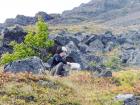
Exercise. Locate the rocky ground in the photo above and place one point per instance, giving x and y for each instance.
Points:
(88, 49)
(104, 36)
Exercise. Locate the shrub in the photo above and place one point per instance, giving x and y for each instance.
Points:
(31, 44)
(113, 62)
(126, 78)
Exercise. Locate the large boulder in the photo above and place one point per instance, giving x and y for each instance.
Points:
(13, 34)
(90, 39)
(20, 20)
(33, 64)
(83, 58)
(16, 34)
(88, 60)
(96, 46)
(64, 39)
(43, 15)
(131, 57)
(104, 42)
(4, 50)
(128, 99)
(83, 47)
(73, 52)
(132, 37)
(82, 36)
(1, 27)
(26, 20)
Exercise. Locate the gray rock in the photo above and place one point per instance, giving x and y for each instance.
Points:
(20, 20)
(26, 20)
(90, 39)
(43, 15)
(138, 99)
(13, 34)
(108, 11)
(109, 46)
(34, 65)
(131, 57)
(88, 59)
(81, 36)
(107, 37)
(73, 52)
(132, 37)
(104, 42)
(96, 46)
(103, 73)
(4, 50)
(63, 40)
(128, 99)
(83, 47)
(16, 34)
(49, 84)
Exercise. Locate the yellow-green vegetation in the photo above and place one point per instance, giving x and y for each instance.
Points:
(31, 45)
(113, 60)
(28, 89)
(80, 88)
(87, 27)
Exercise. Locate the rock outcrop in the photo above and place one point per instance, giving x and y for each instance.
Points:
(109, 12)
(44, 16)
(34, 65)
(11, 34)
(128, 99)
(27, 20)
(84, 48)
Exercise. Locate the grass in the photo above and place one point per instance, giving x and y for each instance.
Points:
(88, 27)
(26, 89)
(101, 91)
(80, 88)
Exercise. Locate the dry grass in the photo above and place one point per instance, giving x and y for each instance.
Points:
(80, 87)
(88, 27)
(101, 91)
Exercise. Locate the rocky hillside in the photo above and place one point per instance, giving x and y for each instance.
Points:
(89, 50)
(108, 11)
(27, 20)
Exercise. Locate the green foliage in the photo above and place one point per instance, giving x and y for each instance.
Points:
(113, 63)
(6, 58)
(30, 46)
(40, 39)
(20, 51)
(126, 78)
(93, 63)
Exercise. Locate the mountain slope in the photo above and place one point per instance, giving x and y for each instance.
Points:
(108, 12)
(104, 10)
